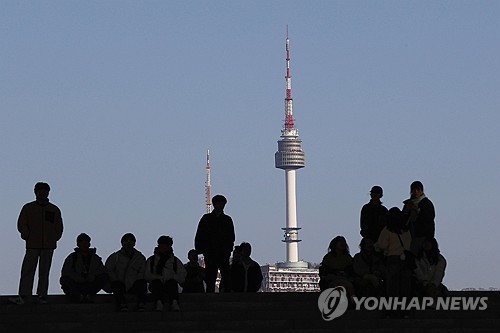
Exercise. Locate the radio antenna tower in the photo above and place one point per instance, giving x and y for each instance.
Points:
(207, 184)
(290, 157)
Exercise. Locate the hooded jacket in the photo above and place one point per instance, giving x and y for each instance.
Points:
(74, 266)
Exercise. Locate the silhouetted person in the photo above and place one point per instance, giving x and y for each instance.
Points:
(83, 274)
(430, 270)
(246, 275)
(125, 269)
(369, 270)
(195, 274)
(215, 239)
(393, 241)
(373, 215)
(41, 226)
(164, 272)
(336, 267)
(419, 214)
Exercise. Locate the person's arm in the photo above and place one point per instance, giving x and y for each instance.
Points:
(22, 224)
(68, 269)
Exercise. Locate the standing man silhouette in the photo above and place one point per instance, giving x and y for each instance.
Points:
(40, 225)
(215, 240)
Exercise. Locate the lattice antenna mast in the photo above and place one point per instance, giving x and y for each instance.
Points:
(289, 125)
(207, 184)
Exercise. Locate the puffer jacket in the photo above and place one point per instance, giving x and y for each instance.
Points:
(172, 269)
(121, 267)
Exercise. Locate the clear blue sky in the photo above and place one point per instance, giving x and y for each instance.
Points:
(114, 104)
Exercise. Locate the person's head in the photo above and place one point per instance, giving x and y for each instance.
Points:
(366, 245)
(165, 244)
(219, 202)
(376, 192)
(339, 246)
(416, 189)
(245, 250)
(193, 256)
(395, 220)
(431, 248)
(83, 242)
(41, 191)
(128, 241)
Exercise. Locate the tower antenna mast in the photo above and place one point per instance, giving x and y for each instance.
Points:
(207, 184)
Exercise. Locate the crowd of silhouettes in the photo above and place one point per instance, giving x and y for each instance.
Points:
(127, 271)
(399, 255)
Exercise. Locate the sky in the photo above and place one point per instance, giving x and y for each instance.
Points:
(115, 103)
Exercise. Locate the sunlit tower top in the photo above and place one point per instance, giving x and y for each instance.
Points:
(207, 184)
(290, 157)
(289, 154)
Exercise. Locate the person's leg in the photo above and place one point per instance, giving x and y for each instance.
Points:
(72, 289)
(211, 273)
(140, 290)
(44, 271)
(28, 269)
(172, 290)
(225, 272)
(156, 289)
(118, 290)
(93, 287)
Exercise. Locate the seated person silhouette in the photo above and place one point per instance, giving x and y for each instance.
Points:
(195, 274)
(246, 275)
(164, 272)
(125, 269)
(336, 267)
(83, 274)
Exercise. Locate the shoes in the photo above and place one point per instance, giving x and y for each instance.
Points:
(42, 300)
(141, 307)
(123, 307)
(175, 306)
(16, 300)
(159, 306)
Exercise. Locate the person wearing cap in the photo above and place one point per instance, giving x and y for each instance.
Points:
(373, 215)
(40, 225)
(164, 272)
(215, 240)
(83, 274)
(419, 215)
(125, 269)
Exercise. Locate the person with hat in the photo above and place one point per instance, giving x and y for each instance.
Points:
(373, 215)
(164, 272)
(40, 225)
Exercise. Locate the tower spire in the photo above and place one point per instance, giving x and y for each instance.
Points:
(207, 184)
(289, 127)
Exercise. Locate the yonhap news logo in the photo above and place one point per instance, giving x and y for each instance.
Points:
(333, 303)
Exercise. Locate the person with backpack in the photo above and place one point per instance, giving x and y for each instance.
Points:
(83, 274)
(164, 272)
